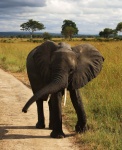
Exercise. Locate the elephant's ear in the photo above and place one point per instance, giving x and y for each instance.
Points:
(89, 65)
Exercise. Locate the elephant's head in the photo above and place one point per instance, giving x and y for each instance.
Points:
(67, 67)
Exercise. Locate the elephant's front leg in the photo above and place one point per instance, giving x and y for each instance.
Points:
(57, 116)
(41, 120)
(78, 105)
(50, 113)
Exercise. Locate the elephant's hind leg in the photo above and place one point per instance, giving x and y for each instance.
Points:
(78, 105)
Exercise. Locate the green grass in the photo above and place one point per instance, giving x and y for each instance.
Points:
(102, 97)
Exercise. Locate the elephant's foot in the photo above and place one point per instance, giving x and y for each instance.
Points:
(55, 134)
(80, 128)
(40, 125)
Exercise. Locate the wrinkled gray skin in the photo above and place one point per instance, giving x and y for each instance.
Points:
(52, 68)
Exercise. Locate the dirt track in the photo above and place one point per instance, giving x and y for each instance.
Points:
(17, 130)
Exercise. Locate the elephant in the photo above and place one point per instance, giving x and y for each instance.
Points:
(53, 67)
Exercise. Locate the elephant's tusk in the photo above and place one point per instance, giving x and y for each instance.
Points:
(48, 97)
(65, 96)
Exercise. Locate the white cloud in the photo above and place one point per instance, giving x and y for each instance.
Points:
(90, 16)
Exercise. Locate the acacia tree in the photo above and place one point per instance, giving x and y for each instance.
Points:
(69, 28)
(32, 26)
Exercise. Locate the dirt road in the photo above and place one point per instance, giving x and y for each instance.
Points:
(17, 130)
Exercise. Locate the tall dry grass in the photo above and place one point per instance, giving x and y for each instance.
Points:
(13, 55)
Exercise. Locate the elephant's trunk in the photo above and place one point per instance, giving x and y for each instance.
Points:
(56, 85)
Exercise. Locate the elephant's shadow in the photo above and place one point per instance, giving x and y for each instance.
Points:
(4, 130)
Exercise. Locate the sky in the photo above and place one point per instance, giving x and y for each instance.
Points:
(90, 16)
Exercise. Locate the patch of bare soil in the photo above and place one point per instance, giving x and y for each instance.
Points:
(17, 130)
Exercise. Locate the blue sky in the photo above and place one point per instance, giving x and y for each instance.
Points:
(90, 16)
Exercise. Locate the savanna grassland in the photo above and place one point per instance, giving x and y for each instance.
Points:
(102, 97)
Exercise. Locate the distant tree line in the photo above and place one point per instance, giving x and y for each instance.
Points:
(68, 30)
